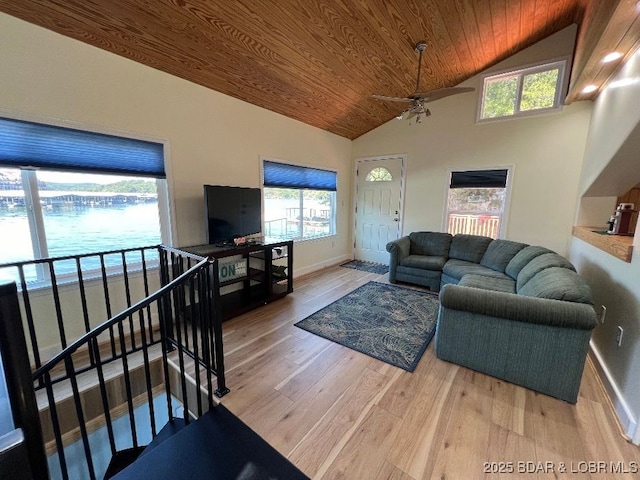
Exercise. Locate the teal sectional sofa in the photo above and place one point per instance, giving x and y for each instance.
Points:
(514, 311)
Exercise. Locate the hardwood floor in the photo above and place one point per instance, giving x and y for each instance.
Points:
(338, 414)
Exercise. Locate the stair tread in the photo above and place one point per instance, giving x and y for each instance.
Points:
(170, 429)
(89, 379)
(216, 446)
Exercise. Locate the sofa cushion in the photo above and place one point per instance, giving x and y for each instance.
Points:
(523, 257)
(538, 264)
(499, 253)
(419, 276)
(496, 284)
(558, 283)
(470, 248)
(425, 262)
(459, 268)
(430, 243)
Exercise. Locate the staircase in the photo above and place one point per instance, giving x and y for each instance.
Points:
(62, 405)
(132, 371)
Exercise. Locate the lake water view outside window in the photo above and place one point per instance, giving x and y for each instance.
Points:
(298, 202)
(81, 213)
(531, 90)
(69, 191)
(476, 202)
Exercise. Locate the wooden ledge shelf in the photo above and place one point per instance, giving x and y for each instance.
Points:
(620, 246)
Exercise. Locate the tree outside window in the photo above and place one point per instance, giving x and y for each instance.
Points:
(524, 91)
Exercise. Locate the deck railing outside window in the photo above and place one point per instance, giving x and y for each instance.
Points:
(474, 224)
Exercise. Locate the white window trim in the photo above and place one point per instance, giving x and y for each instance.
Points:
(502, 232)
(562, 63)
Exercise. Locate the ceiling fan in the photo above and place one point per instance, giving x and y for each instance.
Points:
(418, 99)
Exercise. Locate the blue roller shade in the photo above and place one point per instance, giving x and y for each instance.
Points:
(479, 179)
(28, 144)
(282, 175)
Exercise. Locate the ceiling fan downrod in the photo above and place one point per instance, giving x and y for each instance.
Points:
(420, 47)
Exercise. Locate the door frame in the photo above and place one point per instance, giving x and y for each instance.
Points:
(354, 199)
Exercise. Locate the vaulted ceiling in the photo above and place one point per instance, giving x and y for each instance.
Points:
(319, 61)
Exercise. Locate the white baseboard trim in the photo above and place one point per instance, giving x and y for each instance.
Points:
(624, 413)
(319, 266)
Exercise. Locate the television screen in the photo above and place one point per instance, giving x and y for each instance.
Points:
(232, 212)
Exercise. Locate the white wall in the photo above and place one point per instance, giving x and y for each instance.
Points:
(212, 138)
(545, 150)
(611, 167)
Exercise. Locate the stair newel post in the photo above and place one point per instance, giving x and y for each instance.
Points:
(204, 292)
(216, 323)
(166, 323)
(17, 370)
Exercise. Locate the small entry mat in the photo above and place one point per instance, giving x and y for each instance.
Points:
(370, 267)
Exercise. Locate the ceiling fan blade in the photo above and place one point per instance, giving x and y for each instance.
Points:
(434, 95)
(393, 99)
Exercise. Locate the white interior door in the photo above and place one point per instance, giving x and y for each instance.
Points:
(378, 206)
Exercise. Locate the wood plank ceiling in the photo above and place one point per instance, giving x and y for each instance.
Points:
(319, 61)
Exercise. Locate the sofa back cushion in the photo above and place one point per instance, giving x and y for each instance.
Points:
(499, 253)
(470, 248)
(434, 244)
(522, 258)
(558, 283)
(540, 263)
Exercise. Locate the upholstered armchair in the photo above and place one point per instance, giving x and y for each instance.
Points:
(419, 258)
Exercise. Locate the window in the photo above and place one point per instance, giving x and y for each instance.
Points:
(299, 202)
(476, 202)
(81, 192)
(379, 174)
(522, 92)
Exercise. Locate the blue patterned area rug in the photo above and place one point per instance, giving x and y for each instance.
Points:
(390, 323)
(370, 267)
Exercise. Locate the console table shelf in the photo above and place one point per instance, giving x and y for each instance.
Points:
(250, 275)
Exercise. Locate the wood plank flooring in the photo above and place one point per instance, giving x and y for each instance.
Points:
(339, 414)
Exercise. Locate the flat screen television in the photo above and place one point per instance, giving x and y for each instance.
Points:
(232, 212)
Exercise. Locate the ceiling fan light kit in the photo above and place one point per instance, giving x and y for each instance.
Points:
(418, 109)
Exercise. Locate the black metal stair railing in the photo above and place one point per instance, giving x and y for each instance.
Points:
(100, 283)
(190, 341)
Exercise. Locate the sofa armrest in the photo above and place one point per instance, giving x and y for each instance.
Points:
(398, 249)
(519, 307)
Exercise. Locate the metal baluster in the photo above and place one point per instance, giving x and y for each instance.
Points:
(194, 310)
(68, 362)
(178, 307)
(56, 301)
(103, 394)
(147, 370)
(205, 336)
(127, 385)
(216, 325)
(55, 423)
(30, 323)
(145, 281)
(127, 293)
(85, 308)
(107, 301)
(164, 312)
